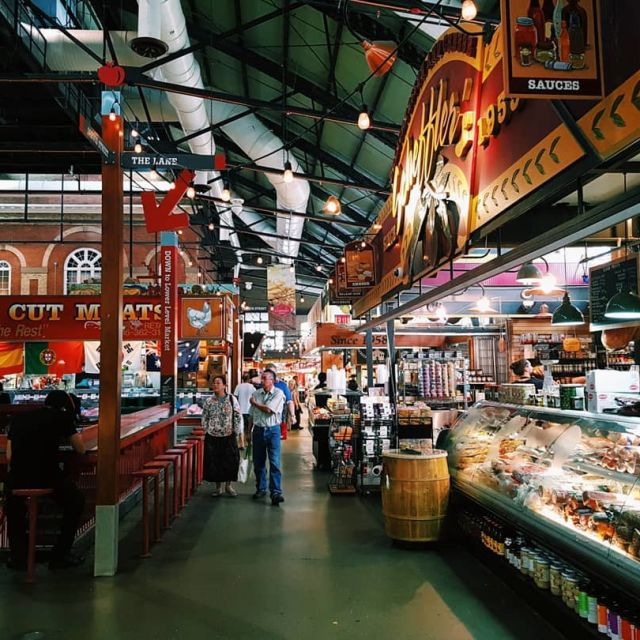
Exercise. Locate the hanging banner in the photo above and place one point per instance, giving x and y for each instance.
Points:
(169, 316)
(553, 49)
(360, 265)
(281, 293)
(11, 358)
(53, 358)
(27, 318)
(131, 356)
(201, 318)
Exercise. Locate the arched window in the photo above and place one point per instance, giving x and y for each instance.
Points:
(5, 278)
(80, 266)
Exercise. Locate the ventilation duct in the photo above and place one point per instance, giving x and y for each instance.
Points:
(250, 134)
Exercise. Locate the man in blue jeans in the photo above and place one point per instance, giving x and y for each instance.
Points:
(267, 405)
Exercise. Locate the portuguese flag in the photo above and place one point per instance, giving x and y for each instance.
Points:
(53, 358)
(11, 357)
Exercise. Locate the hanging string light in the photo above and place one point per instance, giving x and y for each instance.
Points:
(287, 176)
(469, 10)
(332, 206)
(226, 194)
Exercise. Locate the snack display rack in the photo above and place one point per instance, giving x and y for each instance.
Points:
(569, 479)
(377, 434)
(343, 477)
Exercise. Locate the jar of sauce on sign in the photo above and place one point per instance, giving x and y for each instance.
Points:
(526, 38)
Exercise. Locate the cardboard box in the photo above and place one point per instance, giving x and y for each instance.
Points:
(597, 402)
(606, 381)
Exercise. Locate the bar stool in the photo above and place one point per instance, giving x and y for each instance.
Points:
(175, 459)
(184, 455)
(32, 496)
(164, 466)
(199, 466)
(144, 475)
(190, 447)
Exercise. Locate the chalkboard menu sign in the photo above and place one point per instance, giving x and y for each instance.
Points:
(604, 282)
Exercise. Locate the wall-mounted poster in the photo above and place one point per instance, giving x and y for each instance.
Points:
(201, 318)
(360, 265)
(553, 48)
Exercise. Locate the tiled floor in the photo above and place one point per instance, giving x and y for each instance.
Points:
(316, 567)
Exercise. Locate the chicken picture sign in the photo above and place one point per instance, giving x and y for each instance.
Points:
(201, 318)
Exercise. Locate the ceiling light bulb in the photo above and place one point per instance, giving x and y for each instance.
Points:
(190, 263)
(318, 268)
(332, 206)
(343, 259)
(179, 232)
(363, 244)
(287, 176)
(469, 10)
(364, 121)
(210, 226)
(330, 280)
(301, 298)
(137, 148)
(225, 195)
(112, 115)
(259, 260)
(134, 133)
(292, 269)
(191, 192)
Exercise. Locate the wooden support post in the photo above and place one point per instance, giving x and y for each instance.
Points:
(106, 540)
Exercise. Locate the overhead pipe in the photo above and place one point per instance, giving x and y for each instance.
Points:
(248, 132)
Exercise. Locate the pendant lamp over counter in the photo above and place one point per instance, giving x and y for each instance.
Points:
(623, 306)
(529, 274)
(567, 314)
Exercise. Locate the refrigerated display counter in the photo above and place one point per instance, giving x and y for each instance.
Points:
(566, 478)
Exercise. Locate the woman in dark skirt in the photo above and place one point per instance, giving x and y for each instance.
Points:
(222, 421)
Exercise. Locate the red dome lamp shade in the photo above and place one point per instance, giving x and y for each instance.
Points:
(380, 56)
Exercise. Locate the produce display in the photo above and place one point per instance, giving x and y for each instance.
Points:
(579, 471)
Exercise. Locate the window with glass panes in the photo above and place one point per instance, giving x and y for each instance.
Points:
(258, 322)
(82, 265)
(5, 278)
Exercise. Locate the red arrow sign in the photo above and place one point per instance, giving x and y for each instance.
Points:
(159, 217)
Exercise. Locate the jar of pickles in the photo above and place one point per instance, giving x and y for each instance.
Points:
(569, 589)
(555, 578)
(541, 575)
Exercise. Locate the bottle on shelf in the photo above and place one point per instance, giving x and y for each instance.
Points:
(563, 43)
(535, 13)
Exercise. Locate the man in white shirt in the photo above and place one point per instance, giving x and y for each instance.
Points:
(243, 392)
(267, 405)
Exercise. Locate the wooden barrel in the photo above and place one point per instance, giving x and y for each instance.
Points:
(415, 494)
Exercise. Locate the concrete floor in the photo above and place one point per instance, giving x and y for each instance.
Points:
(317, 567)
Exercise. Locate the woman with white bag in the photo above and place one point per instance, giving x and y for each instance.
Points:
(223, 424)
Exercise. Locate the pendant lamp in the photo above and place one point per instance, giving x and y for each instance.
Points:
(529, 274)
(623, 306)
(567, 314)
(380, 56)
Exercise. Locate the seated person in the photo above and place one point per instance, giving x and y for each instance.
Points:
(5, 398)
(33, 457)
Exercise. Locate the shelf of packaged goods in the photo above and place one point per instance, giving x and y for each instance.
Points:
(616, 476)
(591, 554)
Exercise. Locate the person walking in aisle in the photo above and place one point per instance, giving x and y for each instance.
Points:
(289, 413)
(297, 405)
(222, 421)
(267, 405)
(243, 392)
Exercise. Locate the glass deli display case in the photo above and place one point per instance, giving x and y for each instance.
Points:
(568, 478)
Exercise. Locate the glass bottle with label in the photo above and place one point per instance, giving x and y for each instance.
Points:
(564, 44)
(576, 42)
(573, 8)
(535, 13)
